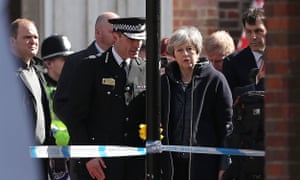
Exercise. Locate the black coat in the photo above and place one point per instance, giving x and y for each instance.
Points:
(29, 100)
(237, 69)
(211, 109)
(67, 76)
(105, 109)
(29, 103)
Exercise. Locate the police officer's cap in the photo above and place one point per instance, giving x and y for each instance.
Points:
(54, 46)
(132, 27)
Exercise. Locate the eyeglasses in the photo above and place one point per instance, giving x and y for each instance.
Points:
(189, 49)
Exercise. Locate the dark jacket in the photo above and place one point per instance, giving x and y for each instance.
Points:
(67, 76)
(238, 68)
(211, 110)
(29, 100)
(102, 106)
(29, 103)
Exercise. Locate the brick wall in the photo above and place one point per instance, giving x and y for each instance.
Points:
(210, 15)
(202, 14)
(282, 103)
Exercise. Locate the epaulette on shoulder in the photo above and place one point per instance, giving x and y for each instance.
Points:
(138, 60)
(93, 57)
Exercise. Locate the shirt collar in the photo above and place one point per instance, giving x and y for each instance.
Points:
(118, 58)
(21, 64)
(257, 55)
(100, 50)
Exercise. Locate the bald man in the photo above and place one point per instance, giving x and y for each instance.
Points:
(103, 40)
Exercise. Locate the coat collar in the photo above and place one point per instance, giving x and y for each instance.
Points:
(173, 70)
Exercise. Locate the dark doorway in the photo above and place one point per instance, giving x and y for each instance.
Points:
(14, 9)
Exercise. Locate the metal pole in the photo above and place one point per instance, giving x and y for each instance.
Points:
(153, 102)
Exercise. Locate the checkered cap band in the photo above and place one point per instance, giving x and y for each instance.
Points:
(129, 28)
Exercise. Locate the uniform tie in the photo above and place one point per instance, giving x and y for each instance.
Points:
(124, 67)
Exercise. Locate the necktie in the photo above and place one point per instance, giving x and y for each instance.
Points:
(124, 67)
(259, 61)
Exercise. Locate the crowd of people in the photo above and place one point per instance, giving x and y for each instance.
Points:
(97, 96)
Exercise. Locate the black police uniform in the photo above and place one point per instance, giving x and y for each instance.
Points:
(106, 109)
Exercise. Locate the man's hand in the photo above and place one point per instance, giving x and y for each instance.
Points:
(220, 174)
(261, 72)
(95, 168)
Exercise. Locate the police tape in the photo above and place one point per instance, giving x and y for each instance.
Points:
(76, 151)
(215, 151)
(157, 147)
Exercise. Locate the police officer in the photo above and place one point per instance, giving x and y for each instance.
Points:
(108, 91)
(54, 50)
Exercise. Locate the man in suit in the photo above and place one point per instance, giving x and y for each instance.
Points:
(103, 41)
(244, 70)
(107, 103)
(24, 40)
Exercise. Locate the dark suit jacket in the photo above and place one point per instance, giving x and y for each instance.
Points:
(105, 109)
(29, 100)
(237, 68)
(67, 76)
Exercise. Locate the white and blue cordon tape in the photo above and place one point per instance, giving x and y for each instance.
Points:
(78, 151)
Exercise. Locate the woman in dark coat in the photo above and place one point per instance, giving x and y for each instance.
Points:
(196, 106)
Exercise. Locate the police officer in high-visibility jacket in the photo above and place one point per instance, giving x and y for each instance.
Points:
(54, 50)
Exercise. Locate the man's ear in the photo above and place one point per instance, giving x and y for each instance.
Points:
(115, 36)
(47, 63)
(98, 32)
(12, 42)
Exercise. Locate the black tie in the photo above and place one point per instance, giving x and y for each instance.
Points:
(124, 67)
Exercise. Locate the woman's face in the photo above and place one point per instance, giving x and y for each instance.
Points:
(186, 56)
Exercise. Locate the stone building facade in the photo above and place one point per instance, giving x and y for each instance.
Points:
(76, 18)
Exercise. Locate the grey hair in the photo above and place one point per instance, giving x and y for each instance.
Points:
(185, 34)
(219, 42)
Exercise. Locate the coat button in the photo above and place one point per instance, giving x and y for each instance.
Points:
(127, 88)
(125, 134)
(108, 92)
(127, 119)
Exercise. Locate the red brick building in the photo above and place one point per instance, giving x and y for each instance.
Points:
(282, 101)
(211, 15)
(283, 90)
